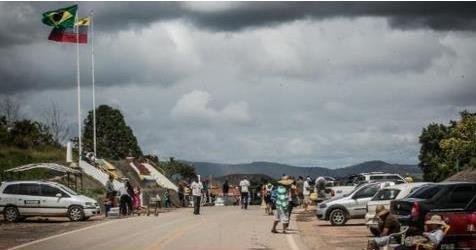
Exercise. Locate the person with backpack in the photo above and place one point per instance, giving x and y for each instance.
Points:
(267, 198)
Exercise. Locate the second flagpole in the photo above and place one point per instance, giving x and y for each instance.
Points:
(93, 82)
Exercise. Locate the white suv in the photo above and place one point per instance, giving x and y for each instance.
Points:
(350, 206)
(21, 199)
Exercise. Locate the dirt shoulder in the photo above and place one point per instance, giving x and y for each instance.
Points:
(13, 234)
(321, 235)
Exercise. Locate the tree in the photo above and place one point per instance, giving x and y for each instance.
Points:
(447, 149)
(173, 167)
(56, 122)
(115, 140)
(460, 146)
(430, 152)
(27, 134)
(10, 109)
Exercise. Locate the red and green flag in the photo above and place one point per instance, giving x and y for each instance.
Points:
(61, 18)
(69, 35)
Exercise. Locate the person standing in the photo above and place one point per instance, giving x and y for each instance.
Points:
(244, 189)
(226, 188)
(300, 186)
(281, 200)
(306, 192)
(196, 187)
(293, 196)
(181, 194)
(136, 200)
(111, 191)
(125, 199)
(267, 198)
(320, 186)
(130, 192)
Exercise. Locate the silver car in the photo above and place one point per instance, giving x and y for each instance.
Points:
(21, 199)
(351, 206)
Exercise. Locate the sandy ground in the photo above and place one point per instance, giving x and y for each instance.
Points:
(322, 235)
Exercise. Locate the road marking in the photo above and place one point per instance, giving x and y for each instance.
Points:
(292, 242)
(290, 237)
(65, 233)
(164, 240)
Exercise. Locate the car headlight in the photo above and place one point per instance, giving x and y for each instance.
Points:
(322, 205)
(88, 204)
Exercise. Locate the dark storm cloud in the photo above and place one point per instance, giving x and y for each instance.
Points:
(114, 16)
(403, 15)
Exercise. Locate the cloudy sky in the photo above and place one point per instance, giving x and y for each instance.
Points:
(327, 84)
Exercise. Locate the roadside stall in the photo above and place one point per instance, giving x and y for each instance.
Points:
(70, 176)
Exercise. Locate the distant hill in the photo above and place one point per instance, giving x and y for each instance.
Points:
(275, 170)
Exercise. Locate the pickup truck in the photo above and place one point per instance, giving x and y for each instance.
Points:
(443, 196)
(462, 232)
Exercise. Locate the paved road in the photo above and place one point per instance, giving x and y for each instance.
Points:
(216, 228)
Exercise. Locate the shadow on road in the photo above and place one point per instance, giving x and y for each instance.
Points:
(346, 225)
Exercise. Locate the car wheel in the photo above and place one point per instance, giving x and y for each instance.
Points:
(76, 213)
(11, 214)
(337, 217)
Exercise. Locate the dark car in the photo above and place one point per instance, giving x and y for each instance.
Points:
(462, 232)
(412, 210)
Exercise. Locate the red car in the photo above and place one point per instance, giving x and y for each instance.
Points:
(462, 232)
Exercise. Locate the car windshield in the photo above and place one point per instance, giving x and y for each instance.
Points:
(386, 194)
(67, 189)
(425, 192)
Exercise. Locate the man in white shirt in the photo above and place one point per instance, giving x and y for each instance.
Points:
(196, 187)
(306, 192)
(244, 189)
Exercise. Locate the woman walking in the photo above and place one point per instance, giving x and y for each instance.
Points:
(282, 204)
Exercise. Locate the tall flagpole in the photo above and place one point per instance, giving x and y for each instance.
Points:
(80, 149)
(94, 91)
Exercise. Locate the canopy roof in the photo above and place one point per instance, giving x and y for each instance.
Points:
(51, 166)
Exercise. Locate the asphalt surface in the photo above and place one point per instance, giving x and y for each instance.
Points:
(215, 228)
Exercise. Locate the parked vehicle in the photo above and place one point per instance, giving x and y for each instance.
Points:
(22, 199)
(225, 201)
(354, 181)
(380, 176)
(353, 205)
(462, 232)
(384, 197)
(340, 191)
(412, 210)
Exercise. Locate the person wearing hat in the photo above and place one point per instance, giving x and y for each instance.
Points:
(435, 230)
(388, 224)
(282, 203)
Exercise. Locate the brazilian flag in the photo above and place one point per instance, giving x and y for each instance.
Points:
(61, 18)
